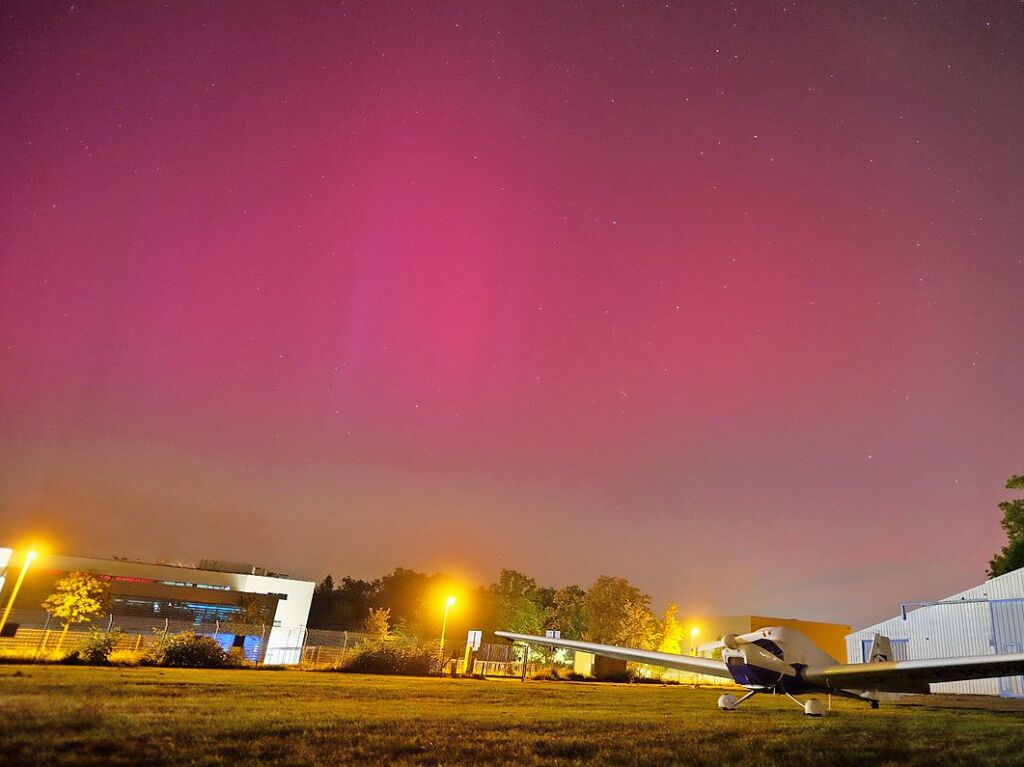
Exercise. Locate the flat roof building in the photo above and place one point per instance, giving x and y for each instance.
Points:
(145, 596)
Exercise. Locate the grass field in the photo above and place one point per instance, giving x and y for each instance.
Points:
(52, 715)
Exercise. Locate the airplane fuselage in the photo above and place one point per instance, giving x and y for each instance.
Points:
(772, 660)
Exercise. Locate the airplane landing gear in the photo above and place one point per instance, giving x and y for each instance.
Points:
(731, 702)
(813, 706)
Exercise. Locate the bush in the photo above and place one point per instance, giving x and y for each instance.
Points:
(97, 648)
(553, 673)
(392, 658)
(29, 655)
(187, 650)
(126, 657)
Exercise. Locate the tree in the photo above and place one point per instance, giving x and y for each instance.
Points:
(378, 624)
(638, 627)
(1012, 555)
(566, 612)
(672, 631)
(516, 603)
(404, 592)
(604, 607)
(341, 606)
(77, 598)
(252, 611)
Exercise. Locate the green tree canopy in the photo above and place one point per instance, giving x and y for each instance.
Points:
(342, 606)
(672, 631)
(516, 603)
(77, 598)
(566, 612)
(605, 607)
(253, 614)
(378, 623)
(1012, 555)
(638, 627)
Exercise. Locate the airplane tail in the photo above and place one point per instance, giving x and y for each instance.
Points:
(881, 649)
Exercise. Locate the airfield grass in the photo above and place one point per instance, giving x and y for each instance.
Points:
(145, 716)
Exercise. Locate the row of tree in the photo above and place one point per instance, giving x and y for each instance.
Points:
(406, 602)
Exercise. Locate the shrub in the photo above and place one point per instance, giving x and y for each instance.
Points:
(29, 655)
(126, 657)
(553, 673)
(392, 658)
(97, 648)
(187, 650)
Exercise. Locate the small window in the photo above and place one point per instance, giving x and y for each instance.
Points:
(736, 660)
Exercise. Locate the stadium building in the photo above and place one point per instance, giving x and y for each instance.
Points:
(983, 620)
(213, 597)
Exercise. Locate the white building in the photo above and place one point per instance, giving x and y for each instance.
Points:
(146, 596)
(983, 620)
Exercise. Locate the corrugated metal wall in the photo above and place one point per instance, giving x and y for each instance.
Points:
(956, 630)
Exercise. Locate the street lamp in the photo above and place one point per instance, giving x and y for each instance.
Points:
(17, 585)
(693, 649)
(444, 626)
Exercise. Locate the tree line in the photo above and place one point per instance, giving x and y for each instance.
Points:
(408, 603)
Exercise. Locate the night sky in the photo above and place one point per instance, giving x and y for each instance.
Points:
(722, 298)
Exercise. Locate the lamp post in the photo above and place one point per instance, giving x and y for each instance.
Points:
(17, 585)
(444, 626)
(693, 648)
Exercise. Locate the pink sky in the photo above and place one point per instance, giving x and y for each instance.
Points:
(723, 300)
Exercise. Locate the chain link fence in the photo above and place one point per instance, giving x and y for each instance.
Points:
(33, 634)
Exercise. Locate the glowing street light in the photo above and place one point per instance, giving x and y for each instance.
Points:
(693, 649)
(444, 626)
(17, 585)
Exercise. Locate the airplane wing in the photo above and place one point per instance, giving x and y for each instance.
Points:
(914, 675)
(689, 663)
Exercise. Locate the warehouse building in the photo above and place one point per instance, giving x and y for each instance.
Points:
(983, 620)
(209, 596)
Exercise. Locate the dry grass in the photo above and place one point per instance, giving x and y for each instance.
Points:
(131, 716)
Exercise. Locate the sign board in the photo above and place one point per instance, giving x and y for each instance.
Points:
(473, 639)
(553, 634)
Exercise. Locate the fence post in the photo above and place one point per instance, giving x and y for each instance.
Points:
(262, 652)
(42, 640)
(110, 623)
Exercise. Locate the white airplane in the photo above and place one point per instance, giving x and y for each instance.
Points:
(784, 661)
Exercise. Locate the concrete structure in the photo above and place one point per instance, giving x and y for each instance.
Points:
(983, 620)
(144, 596)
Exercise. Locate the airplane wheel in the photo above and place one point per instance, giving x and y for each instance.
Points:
(814, 707)
(727, 702)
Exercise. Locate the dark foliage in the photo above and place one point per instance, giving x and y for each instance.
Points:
(188, 650)
(96, 650)
(392, 658)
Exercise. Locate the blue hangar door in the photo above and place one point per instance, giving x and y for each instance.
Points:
(1008, 636)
